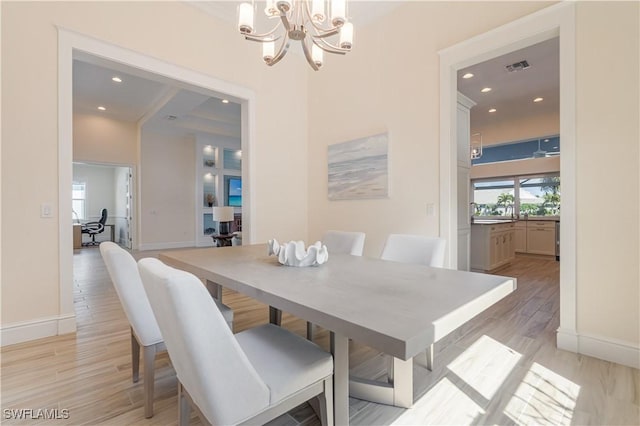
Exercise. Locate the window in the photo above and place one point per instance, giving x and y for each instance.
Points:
(494, 198)
(78, 200)
(540, 196)
(532, 148)
(517, 196)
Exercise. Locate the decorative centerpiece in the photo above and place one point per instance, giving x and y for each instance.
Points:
(294, 253)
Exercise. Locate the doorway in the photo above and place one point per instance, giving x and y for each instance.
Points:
(104, 186)
(554, 21)
(70, 45)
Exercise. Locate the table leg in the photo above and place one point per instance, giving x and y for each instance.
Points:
(340, 351)
(275, 316)
(215, 290)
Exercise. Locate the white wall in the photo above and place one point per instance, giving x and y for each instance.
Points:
(103, 140)
(608, 142)
(167, 191)
(530, 127)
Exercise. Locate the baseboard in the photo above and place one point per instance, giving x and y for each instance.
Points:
(567, 340)
(608, 349)
(166, 246)
(37, 329)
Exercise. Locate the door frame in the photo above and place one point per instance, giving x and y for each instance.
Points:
(70, 41)
(553, 21)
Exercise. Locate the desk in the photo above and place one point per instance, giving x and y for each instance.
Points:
(77, 236)
(396, 308)
(222, 240)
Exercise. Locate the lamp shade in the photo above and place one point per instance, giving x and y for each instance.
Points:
(223, 214)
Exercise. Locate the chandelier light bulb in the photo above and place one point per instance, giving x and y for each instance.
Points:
(317, 10)
(346, 36)
(338, 12)
(245, 18)
(268, 50)
(317, 55)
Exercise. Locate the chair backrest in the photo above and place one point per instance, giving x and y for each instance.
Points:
(416, 249)
(124, 274)
(103, 217)
(344, 242)
(208, 360)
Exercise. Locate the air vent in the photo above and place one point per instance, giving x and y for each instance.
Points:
(171, 117)
(518, 66)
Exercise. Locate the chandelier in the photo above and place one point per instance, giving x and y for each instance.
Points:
(317, 27)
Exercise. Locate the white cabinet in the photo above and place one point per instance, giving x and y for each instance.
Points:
(492, 246)
(535, 237)
(520, 236)
(541, 237)
(463, 131)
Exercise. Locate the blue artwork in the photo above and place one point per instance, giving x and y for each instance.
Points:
(358, 169)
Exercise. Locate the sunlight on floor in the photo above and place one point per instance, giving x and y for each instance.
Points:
(485, 365)
(543, 397)
(427, 410)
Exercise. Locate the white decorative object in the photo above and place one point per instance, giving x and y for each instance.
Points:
(294, 253)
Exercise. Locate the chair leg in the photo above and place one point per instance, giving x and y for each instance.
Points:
(326, 403)
(309, 331)
(135, 357)
(149, 354)
(184, 407)
(429, 354)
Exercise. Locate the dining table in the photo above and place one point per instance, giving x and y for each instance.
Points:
(396, 308)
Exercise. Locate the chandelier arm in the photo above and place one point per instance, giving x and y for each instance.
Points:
(307, 54)
(257, 37)
(327, 47)
(327, 33)
(260, 39)
(284, 48)
(284, 20)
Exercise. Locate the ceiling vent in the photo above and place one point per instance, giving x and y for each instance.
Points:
(171, 117)
(518, 66)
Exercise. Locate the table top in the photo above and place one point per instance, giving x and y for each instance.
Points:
(397, 308)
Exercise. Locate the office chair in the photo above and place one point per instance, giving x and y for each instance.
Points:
(95, 228)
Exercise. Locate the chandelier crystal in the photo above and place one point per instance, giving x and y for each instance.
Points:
(320, 27)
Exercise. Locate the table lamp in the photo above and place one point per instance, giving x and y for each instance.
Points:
(223, 215)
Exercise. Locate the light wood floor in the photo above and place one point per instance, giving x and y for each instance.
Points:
(502, 367)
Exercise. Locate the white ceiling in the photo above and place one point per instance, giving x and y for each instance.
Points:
(512, 93)
(154, 98)
(163, 104)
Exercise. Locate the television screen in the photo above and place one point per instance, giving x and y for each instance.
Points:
(234, 192)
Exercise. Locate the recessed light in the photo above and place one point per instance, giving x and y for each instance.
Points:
(117, 79)
(225, 101)
(486, 89)
(538, 99)
(546, 140)
(101, 108)
(467, 75)
(492, 110)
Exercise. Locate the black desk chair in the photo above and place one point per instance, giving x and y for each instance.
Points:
(95, 228)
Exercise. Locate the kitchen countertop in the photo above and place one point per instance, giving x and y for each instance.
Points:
(492, 221)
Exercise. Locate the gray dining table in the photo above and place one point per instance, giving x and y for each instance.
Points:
(399, 309)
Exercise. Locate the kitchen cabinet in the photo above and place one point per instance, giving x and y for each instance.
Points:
(463, 118)
(520, 236)
(492, 245)
(541, 237)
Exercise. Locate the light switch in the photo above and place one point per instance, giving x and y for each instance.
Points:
(46, 210)
(430, 209)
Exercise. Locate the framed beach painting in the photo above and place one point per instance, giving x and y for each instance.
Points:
(359, 169)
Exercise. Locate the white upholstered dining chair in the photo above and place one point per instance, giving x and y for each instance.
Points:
(267, 370)
(145, 333)
(416, 249)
